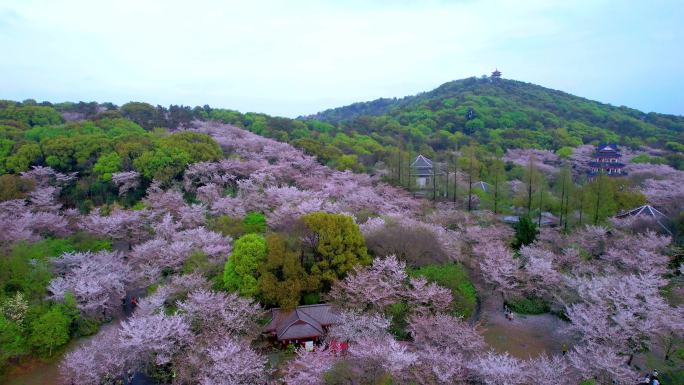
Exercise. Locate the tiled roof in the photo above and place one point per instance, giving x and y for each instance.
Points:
(421, 162)
(302, 322)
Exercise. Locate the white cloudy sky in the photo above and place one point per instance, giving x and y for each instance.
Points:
(298, 57)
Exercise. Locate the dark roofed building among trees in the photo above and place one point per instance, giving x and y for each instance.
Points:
(607, 161)
(423, 169)
(304, 323)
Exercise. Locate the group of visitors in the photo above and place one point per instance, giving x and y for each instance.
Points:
(651, 378)
(508, 313)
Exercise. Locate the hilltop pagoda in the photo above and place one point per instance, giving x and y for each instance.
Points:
(607, 161)
(496, 75)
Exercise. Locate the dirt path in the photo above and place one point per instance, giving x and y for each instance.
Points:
(523, 337)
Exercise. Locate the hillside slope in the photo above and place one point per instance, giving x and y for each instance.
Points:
(507, 113)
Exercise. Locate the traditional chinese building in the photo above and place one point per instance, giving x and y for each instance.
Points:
(423, 169)
(646, 217)
(607, 161)
(496, 75)
(304, 323)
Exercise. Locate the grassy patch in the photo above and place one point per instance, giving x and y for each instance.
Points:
(455, 277)
(528, 305)
(398, 314)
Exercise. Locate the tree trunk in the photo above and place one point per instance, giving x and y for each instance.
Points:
(560, 221)
(470, 183)
(598, 200)
(541, 202)
(496, 192)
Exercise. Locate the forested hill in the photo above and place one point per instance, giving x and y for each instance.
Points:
(509, 113)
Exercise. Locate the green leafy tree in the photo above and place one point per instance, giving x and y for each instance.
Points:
(12, 340)
(282, 278)
(240, 271)
(469, 163)
(564, 152)
(333, 246)
(496, 198)
(600, 198)
(143, 113)
(199, 147)
(50, 331)
(106, 165)
(27, 154)
(163, 164)
(14, 187)
(525, 232)
(254, 222)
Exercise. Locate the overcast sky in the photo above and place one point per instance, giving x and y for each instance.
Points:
(298, 57)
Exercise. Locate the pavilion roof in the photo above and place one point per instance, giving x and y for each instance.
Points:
(421, 162)
(645, 211)
(302, 322)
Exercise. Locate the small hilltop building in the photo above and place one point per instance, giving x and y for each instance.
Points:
(496, 75)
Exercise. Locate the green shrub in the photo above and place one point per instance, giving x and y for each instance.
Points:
(254, 222)
(398, 314)
(228, 226)
(525, 232)
(528, 305)
(311, 298)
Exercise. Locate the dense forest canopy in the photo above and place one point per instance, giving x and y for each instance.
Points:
(503, 114)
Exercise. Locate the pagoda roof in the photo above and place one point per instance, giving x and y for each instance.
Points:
(421, 162)
(608, 147)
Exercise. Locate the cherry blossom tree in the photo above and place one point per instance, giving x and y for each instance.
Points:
(619, 311)
(547, 161)
(377, 286)
(155, 338)
(171, 249)
(47, 176)
(444, 331)
(428, 298)
(100, 360)
(391, 355)
(44, 199)
(352, 326)
(308, 367)
(498, 266)
(233, 362)
(97, 281)
(552, 370)
(218, 314)
(126, 181)
(443, 366)
(640, 253)
(601, 362)
(499, 369)
(590, 239)
(15, 221)
(121, 225)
